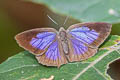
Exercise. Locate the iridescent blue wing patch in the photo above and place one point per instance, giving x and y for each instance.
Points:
(43, 40)
(53, 51)
(79, 47)
(84, 34)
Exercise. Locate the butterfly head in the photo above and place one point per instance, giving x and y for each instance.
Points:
(61, 29)
(62, 32)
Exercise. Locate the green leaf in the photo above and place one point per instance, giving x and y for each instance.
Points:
(85, 10)
(24, 66)
(113, 40)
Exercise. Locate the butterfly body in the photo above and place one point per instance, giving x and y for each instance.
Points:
(55, 48)
(64, 39)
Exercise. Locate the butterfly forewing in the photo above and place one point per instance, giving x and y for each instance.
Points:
(36, 40)
(85, 38)
(92, 34)
(78, 50)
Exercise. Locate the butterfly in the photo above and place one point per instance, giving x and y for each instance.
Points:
(55, 48)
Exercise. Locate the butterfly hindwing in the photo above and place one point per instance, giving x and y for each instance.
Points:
(36, 40)
(84, 39)
(54, 55)
(79, 51)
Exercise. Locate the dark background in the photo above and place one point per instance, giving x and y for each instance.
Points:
(17, 16)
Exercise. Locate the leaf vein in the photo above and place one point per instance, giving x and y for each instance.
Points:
(100, 73)
(19, 68)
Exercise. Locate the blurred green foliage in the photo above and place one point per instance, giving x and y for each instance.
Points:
(8, 30)
(85, 10)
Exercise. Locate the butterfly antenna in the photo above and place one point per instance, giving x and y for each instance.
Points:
(52, 20)
(66, 20)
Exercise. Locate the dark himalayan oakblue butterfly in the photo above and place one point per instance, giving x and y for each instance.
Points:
(55, 48)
